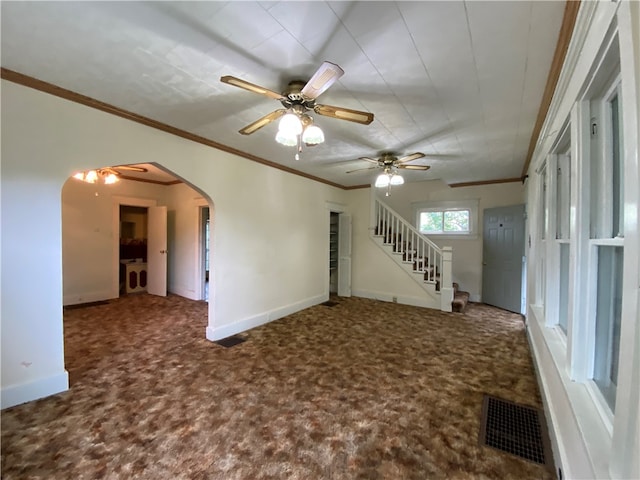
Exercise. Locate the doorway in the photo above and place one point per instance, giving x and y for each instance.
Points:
(503, 257)
(339, 254)
(133, 249)
(152, 220)
(204, 256)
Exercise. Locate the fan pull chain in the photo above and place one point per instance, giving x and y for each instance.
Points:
(297, 156)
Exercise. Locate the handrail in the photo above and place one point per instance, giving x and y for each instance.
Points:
(416, 248)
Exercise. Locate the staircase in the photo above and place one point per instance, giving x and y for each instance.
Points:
(425, 262)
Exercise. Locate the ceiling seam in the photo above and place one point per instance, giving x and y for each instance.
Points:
(426, 71)
(51, 89)
(524, 81)
(374, 67)
(475, 67)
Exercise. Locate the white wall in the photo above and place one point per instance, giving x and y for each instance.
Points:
(590, 440)
(467, 252)
(269, 241)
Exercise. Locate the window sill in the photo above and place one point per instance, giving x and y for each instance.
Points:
(593, 428)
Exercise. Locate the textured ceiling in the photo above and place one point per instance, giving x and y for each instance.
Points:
(460, 81)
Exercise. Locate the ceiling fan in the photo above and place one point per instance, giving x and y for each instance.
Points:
(389, 161)
(390, 165)
(298, 98)
(108, 175)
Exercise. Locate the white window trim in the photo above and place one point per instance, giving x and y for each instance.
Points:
(471, 205)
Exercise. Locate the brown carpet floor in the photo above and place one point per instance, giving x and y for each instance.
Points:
(361, 390)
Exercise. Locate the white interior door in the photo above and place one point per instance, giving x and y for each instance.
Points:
(344, 255)
(502, 259)
(157, 251)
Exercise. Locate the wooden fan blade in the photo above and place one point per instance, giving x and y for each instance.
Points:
(369, 159)
(261, 122)
(358, 169)
(415, 167)
(408, 158)
(324, 77)
(237, 82)
(344, 114)
(131, 168)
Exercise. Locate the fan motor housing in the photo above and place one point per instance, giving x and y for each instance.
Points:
(292, 96)
(388, 159)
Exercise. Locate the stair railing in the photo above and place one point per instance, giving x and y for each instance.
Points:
(427, 258)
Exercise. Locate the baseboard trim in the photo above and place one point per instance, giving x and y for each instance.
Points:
(86, 297)
(404, 300)
(214, 333)
(26, 392)
(183, 292)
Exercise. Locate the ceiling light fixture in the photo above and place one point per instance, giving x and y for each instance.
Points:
(296, 128)
(107, 176)
(387, 178)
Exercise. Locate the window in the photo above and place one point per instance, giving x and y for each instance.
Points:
(563, 299)
(607, 168)
(607, 233)
(453, 218)
(561, 247)
(617, 165)
(608, 319)
(563, 195)
(544, 211)
(444, 221)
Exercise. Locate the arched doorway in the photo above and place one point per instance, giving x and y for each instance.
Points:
(94, 232)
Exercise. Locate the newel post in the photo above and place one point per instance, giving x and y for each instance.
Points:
(446, 287)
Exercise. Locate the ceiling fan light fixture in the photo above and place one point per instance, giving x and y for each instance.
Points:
(104, 175)
(286, 139)
(383, 180)
(396, 179)
(110, 179)
(290, 124)
(91, 176)
(312, 135)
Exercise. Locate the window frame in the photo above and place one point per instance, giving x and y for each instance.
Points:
(449, 206)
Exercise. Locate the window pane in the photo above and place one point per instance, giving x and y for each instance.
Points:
(431, 222)
(456, 221)
(564, 287)
(618, 186)
(563, 196)
(543, 229)
(608, 316)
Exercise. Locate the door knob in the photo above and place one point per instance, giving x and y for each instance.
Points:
(164, 251)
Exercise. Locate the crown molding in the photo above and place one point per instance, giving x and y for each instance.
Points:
(40, 85)
(52, 89)
(486, 182)
(571, 9)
